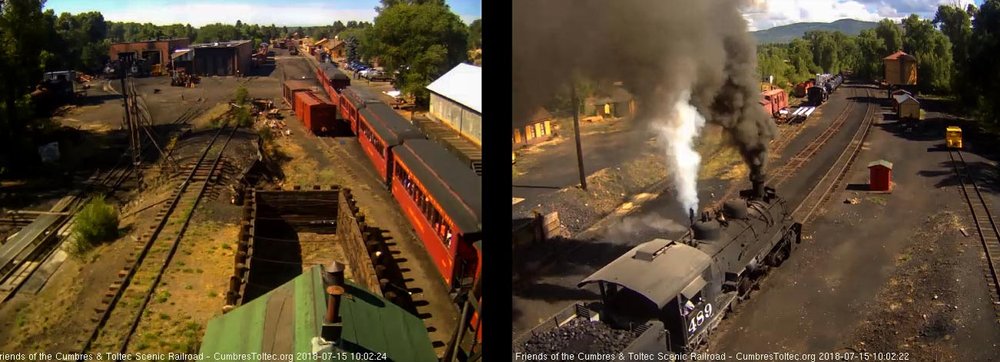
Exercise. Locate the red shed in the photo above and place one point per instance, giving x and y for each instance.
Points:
(880, 176)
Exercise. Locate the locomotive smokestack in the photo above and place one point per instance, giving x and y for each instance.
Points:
(757, 178)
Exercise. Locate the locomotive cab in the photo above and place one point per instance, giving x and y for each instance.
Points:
(663, 285)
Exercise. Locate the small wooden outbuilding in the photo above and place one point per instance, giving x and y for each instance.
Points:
(880, 176)
(907, 107)
(535, 129)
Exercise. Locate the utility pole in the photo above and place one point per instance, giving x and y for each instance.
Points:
(576, 129)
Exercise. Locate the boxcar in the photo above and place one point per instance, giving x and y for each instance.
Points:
(352, 100)
(442, 199)
(294, 85)
(315, 111)
(380, 129)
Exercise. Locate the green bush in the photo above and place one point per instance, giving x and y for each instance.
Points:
(243, 117)
(242, 95)
(96, 223)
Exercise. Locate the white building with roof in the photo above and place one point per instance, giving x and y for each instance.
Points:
(457, 99)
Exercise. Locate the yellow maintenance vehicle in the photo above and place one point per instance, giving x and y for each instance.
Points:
(953, 137)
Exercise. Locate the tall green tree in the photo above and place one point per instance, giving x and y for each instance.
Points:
(338, 26)
(25, 39)
(422, 41)
(871, 50)
(476, 34)
(891, 35)
(956, 24)
(933, 52)
(983, 67)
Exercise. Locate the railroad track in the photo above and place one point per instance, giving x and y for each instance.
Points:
(834, 177)
(986, 226)
(124, 304)
(800, 159)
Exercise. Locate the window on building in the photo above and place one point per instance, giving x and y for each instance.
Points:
(531, 132)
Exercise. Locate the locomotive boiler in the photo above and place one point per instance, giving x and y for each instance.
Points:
(665, 295)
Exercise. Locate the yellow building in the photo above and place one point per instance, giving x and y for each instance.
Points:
(900, 69)
(536, 129)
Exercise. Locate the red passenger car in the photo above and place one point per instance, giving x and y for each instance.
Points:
(334, 81)
(352, 100)
(380, 129)
(442, 198)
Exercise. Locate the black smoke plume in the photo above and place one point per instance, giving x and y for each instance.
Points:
(658, 48)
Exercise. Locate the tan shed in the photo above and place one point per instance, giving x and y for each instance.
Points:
(907, 107)
(900, 69)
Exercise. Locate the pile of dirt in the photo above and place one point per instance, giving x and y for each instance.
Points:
(917, 311)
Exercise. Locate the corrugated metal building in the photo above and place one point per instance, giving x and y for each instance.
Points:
(456, 101)
(156, 51)
(222, 58)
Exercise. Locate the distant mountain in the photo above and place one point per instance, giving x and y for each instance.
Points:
(785, 33)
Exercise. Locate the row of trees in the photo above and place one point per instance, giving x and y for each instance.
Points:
(955, 54)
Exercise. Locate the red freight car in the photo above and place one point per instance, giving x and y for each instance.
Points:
(442, 198)
(352, 100)
(774, 101)
(294, 85)
(380, 129)
(801, 88)
(315, 111)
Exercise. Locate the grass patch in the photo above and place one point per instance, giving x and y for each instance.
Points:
(212, 294)
(163, 296)
(96, 223)
(877, 200)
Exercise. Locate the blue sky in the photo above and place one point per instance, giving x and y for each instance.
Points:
(763, 14)
(264, 12)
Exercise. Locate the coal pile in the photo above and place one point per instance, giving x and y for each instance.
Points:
(579, 335)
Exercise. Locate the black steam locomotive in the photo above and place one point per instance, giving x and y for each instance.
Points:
(667, 294)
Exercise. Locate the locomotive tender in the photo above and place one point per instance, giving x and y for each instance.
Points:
(671, 293)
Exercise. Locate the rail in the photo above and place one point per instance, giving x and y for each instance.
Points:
(985, 224)
(132, 266)
(785, 137)
(802, 157)
(835, 175)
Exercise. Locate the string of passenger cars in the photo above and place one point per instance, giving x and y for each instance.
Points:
(439, 194)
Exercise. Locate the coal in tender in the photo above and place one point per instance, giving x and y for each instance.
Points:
(580, 335)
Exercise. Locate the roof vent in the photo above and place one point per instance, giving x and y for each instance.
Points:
(647, 253)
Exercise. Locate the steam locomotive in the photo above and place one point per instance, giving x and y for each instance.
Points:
(668, 294)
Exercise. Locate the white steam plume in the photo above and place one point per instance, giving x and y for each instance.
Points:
(678, 133)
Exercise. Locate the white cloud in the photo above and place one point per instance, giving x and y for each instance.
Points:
(763, 14)
(468, 19)
(228, 13)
